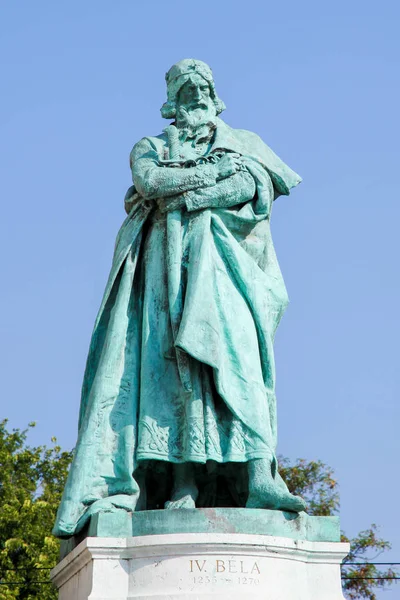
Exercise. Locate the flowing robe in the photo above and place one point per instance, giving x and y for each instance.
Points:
(180, 366)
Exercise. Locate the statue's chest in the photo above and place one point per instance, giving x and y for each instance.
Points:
(190, 151)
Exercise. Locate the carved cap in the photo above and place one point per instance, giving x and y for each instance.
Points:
(177, 76)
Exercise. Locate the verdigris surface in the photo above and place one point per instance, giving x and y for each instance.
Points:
(178, 405)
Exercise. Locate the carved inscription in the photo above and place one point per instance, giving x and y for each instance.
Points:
(207, 571)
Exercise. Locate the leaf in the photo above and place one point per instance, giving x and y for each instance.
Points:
(315, 482)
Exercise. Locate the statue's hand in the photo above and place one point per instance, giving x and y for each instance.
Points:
(228, 165)
(171, 203)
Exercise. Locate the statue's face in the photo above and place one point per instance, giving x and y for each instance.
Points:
(195, 93)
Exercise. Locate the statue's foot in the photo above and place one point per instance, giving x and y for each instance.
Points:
(182, 499)
(267, 491)
(266, 497)
(185, 491)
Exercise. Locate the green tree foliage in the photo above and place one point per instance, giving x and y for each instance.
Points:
(315, 482)
(31, 484)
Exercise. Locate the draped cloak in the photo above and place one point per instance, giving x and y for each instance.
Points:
(223, 316)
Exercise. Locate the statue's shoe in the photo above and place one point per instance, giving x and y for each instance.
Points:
(183, 497)
(265, 496)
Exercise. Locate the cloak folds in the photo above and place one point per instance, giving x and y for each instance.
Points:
(213, 321)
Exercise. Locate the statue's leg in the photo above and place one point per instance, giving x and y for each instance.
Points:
(184, 491)
(268, 490)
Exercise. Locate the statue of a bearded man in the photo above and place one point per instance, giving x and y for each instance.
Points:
(178, 405)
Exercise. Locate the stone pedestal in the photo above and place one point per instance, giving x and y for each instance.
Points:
(200, 565)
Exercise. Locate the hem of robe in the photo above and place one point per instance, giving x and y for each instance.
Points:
(203, 459)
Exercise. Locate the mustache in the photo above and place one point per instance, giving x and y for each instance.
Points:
(196, 116)
(194, 104)
(185, 112)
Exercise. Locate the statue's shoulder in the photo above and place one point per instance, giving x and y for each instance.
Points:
(243, 137)
(148, 144)
(250, 144)
(247, 136)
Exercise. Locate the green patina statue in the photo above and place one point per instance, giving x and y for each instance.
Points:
(178, 405)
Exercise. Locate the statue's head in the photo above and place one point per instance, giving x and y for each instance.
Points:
(190, 88)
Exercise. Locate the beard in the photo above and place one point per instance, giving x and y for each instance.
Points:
(191, 119)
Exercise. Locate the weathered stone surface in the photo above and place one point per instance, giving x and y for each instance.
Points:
(200, 566)
(211, 520)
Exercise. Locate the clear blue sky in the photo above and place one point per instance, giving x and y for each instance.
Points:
(82, 81)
